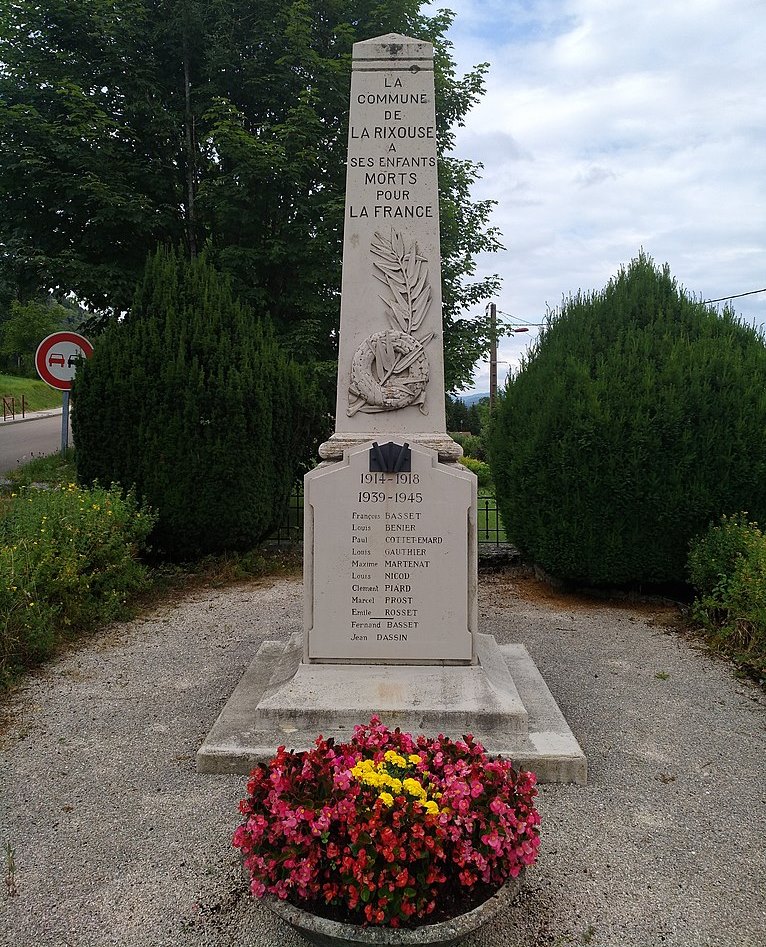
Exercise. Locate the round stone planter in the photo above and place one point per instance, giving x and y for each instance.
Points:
(326, 933)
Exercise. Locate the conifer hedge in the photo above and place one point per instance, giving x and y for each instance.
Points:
(637, 418)
(192, 401)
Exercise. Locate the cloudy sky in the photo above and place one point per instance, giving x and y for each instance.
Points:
(612, 125)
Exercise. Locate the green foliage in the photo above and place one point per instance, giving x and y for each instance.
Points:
(463, 418)
(636, 418)
(456, 411)
(482, 471)
(56, 470)
(715, 554)
(472, 445)
(24, 329)
(192, 400)
(727, 567)
(68, 561)
(228, 131)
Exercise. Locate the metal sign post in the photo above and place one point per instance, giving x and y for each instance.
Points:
(65, 422)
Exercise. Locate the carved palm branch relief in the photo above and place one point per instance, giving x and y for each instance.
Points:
(405, 274)
(390, 368)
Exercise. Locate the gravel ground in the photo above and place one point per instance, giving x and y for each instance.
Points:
(118, 841)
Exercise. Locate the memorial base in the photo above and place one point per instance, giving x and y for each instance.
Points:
(503, 701)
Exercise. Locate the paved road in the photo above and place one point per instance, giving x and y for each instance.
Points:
(35, 437)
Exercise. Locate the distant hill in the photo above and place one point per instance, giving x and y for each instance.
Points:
(473, 397)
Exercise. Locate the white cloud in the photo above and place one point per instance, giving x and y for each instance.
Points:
(609, 126)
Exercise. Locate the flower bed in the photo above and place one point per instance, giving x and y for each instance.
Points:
(387, 829)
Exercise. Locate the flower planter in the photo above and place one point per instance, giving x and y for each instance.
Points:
(323, 932)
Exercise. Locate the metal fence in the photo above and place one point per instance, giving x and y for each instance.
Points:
(9, 407)
(489, 524)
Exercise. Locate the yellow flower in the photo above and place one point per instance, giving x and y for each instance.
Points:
(431, 807)
(395, 759)
(413, 787)
(386, 798)
(414, 758)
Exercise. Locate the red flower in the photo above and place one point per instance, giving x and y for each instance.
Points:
(313, 832)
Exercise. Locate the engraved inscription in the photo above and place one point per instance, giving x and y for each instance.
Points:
(392, 549)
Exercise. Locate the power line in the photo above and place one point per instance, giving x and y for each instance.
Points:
(721, 299)
(521, 322)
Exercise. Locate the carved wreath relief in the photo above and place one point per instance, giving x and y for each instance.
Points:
(390, 368)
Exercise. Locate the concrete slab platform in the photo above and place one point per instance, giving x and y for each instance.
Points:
(503, 701)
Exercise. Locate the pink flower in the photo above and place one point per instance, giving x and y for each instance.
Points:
(311, 830)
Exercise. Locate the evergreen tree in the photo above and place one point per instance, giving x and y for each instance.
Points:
(192, 401)
(635, 420)
(456, 413)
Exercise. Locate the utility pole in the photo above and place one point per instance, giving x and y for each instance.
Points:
(508, 329)
(492, 355)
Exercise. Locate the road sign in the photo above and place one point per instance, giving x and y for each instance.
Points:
(58, 356)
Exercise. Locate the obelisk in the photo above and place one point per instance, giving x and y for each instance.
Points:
(391, 362)
(390, 548)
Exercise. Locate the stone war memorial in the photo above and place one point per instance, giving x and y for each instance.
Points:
(390, 557)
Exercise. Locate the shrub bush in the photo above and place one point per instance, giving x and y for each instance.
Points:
(635, 420)
(727, 567)
(482, 471)
(472, 444)
(192, 400)
(68, 561)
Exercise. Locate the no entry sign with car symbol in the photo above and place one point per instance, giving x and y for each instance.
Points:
(58, 356)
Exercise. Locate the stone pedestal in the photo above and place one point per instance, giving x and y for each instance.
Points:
(502, 699)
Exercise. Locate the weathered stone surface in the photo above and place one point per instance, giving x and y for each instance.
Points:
(390, 367)
(447, 450)
(390, 561)
(390, 564)
(502, 700)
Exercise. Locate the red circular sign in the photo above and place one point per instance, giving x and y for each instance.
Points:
(58, 356)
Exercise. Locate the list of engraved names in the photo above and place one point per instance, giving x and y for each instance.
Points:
(393, 549)
(386, 596)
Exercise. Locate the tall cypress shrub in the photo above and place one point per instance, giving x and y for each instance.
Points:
(636, 419)
(193, 402)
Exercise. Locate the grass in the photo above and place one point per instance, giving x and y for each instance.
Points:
(37, 394)
(55, 470)
(490, 526)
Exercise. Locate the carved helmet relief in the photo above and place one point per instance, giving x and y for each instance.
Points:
(390, 369)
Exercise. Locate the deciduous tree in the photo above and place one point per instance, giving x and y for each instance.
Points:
(218, 124)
